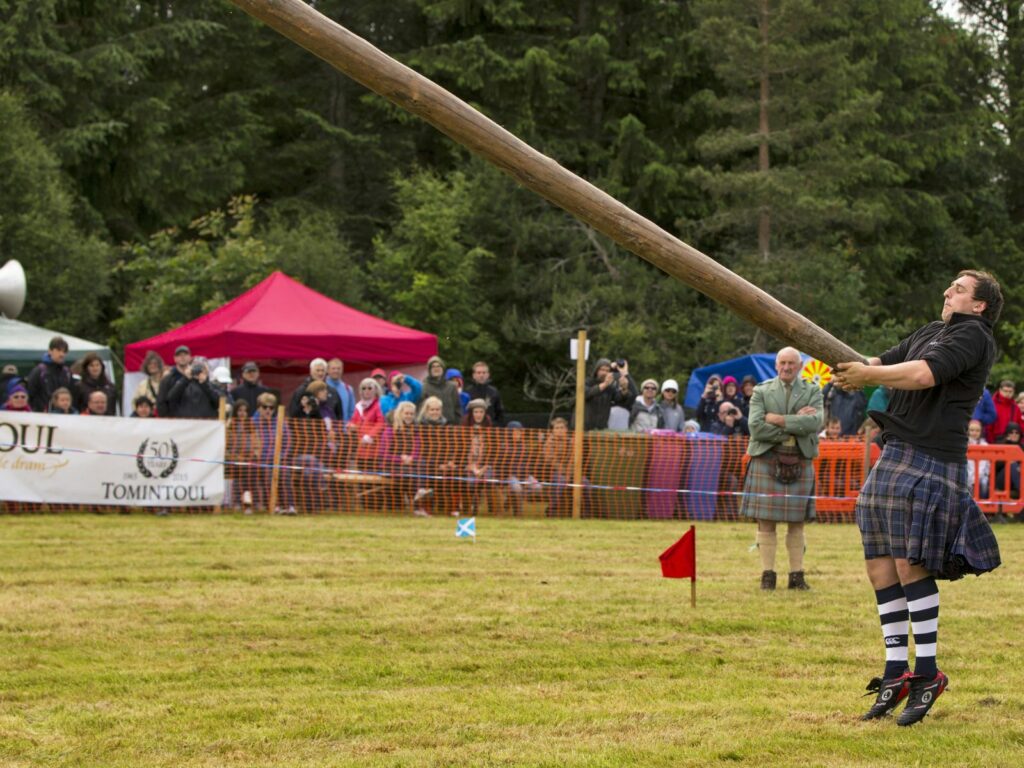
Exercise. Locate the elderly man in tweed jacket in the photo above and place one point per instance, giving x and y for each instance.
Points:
(786, 414)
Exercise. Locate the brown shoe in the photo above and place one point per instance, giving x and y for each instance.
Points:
(796, 581)
(768, 580)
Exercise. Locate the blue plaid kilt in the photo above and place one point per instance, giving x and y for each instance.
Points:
(918, 508)
(765, 498)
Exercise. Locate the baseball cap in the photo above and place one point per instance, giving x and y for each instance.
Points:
(250, 366)
(182, 349)
(222, 375)
(378, 372)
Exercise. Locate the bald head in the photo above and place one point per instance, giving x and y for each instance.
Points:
(787, 364)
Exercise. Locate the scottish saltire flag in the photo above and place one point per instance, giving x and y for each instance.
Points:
(465, 528)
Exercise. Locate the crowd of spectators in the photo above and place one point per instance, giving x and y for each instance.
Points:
(386, 424)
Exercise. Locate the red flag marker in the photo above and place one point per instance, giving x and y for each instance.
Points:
(680, 562)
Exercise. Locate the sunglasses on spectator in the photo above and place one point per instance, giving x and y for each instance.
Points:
(266, 407)
(654, 388)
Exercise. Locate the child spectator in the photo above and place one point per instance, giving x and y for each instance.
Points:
(440, 447)
(265, 421)
(242, 451)
(833, 429)
(975, 430)
(558, 461)
(402, 457)
(142, 408)
(518, 468)
(480, 456)
(61, 402)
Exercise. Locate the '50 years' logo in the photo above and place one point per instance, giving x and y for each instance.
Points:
(157, 458)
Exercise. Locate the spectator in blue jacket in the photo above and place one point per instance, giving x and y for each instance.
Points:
(879, 399)
(335, 368)
(401, 389)
(985, 410)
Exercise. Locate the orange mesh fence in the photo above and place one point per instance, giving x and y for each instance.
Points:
(323, 467)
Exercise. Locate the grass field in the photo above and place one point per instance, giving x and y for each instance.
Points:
(322, 641)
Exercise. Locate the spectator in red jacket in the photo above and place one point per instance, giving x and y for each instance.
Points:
(1007, 411)
(367, 422)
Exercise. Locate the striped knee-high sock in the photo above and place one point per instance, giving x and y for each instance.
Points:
(923, 603)
(893, 613)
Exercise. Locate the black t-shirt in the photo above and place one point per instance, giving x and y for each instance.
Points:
(960, 355)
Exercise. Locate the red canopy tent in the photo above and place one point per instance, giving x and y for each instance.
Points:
(282, 325)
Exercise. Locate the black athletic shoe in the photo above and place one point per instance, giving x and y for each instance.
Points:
(796, 581)
(923, 693)
(768, 580)
(891, 691)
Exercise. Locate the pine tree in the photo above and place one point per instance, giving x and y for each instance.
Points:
(66, 268)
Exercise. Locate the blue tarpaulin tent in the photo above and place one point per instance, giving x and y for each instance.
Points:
(761, 366)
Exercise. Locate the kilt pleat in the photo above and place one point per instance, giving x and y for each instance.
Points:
(764, 498)
(918, 508)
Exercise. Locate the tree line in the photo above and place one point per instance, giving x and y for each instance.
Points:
(160, 156)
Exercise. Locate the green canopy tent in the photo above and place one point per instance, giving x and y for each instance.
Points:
(24, 345)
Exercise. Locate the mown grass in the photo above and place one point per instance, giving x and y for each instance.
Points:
(322, 641)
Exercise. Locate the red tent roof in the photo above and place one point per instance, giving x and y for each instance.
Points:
(283, 319)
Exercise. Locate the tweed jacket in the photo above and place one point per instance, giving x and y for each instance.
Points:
(770, 397)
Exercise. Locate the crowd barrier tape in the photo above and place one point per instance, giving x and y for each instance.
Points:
(321, 467)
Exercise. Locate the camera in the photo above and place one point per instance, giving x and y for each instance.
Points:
(197, 368)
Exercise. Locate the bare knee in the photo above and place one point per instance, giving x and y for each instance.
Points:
(766, 526)
(882, 572)
(909, 573)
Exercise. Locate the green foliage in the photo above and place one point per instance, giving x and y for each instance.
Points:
(308, 246)
(424, 273)
(67, 268)
(176, 276)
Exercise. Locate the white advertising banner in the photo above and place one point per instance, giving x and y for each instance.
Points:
(108, 460)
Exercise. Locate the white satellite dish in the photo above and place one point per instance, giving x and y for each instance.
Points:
(12, 289)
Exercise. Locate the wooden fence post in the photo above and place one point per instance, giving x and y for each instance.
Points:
(276, 473)
(222, 411)
(577, 441)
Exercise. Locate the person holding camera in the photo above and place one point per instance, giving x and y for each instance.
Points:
(192, 396)
(729, 421)
(317, 372)
(401, 388)
(707, 408)
(182, 364)
(610, 385)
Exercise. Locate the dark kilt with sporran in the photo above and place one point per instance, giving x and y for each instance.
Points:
(785, 502)
(918, 508)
